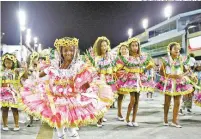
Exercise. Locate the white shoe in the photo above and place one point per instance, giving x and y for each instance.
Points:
(28, 118)
(22, 122)
(77, 128)
(135, 124)
(129, 124)
(5, 129)
(166, 124)
(72, 132)
(104, 120)
(181, 114)
(62, 137)
(120, 119)
(36, 119)
(16, 128)
(175, 125)
(99, 125)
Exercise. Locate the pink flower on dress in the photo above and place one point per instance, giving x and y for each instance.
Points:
(60, 89)
(57, 78)
(51, 73)
(26, 89)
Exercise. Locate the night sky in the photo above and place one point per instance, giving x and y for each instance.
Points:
(84, 20)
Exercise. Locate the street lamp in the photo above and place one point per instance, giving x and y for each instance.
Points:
(145, 23)
(2, 35)
(22, 17)
(28, 31)
(130, 32)
(28, 37)
(39, 48)
(22, 21)
(35, 42)
(168, 11)
(35, 39)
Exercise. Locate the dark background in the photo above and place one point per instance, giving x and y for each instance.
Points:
(84, 20)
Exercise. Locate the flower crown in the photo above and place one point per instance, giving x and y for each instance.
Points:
(172, 43)
(133, 40)
(123, 44)
(66, 42)
(103, 38)
(44, 52)
(34, 55)
(10, 57)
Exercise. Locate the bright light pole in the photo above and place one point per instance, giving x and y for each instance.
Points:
(39, 48)
(35, 39)
(130, 32)
(145, 23)
(2, 35)
(28, 37)
(35, 43)
(22, 21)
(168, 11)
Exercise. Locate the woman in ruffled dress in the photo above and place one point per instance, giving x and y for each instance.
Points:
(71, 96)
(123, 52)
(33, 74)
(10, 81)
(198, 89)
(135, 66)
(174, 81)
(104, 61)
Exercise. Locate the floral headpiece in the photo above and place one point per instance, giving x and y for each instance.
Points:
(10, 57)
(45, 53)
(120, 45)
(123, 43)
(172, 43)
(66, 42)
(133, 40)
(34, 55)
(100, 39)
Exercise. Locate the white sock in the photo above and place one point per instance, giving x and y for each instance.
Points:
(72, 131)
(60, 131)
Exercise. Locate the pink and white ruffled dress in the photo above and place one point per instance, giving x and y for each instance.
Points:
(69, 97)
(8, 95)
(174, 87)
